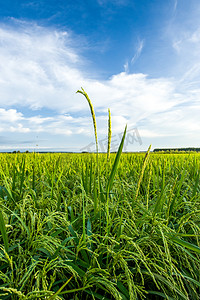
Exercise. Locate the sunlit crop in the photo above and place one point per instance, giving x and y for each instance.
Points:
(128, 229)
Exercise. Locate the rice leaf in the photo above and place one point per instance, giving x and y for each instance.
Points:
(61, 288)
(115, 165)
(3, 231)
(160, 295)
(186, 244)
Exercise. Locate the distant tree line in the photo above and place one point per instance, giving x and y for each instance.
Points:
(176, 150)
(19, 151)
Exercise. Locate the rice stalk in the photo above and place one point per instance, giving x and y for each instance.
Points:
(109, 135)
(82, 91)
(3, 231)
(142, 171)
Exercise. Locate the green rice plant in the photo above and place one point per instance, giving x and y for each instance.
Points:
(137, 253)
(60, 289)
(142, 172)
(82, 91)
(112, 176)
(115, 165)
(67, 233)
(3, 231)
(109, 135)
(185, 244)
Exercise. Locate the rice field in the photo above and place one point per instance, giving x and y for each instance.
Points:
(128, 229)
(100, 226)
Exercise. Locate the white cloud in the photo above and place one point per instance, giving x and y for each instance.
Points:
(195, 38)
(175, 5)
(37, 65)
(37, 120)
(138, 51)
(128, 65)
(18, 128)
(41, 68)
(184, 34)
(12, 121)
(10, 115)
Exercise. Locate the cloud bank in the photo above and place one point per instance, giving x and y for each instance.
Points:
(42, 68)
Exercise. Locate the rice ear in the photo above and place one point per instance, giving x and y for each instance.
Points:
(82, 91)
(109, 134)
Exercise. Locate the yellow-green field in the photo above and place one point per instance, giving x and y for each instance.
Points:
(70, 230)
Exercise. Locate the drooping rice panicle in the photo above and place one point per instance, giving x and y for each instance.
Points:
(82, 91)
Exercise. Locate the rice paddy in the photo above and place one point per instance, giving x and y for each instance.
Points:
(123, 226)
(64, 236)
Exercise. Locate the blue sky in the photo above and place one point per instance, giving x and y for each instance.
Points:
(139, 58)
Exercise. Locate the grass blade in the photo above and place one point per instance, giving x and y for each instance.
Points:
(3, 231)
(186, 244)
(60, 289)
(115, 165)
(142, 172)
(112, 176)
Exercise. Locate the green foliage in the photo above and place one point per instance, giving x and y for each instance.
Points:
(57, 240)
(128, 229)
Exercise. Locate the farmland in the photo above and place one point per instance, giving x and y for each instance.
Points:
(66, 235)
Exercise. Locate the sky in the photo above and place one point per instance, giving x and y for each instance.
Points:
(140, 58)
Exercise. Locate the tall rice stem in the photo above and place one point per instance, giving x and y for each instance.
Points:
(82, 91)
(146, 158)
(3, 231)
(109, 135)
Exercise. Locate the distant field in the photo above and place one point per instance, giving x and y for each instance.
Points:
(66, 234)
